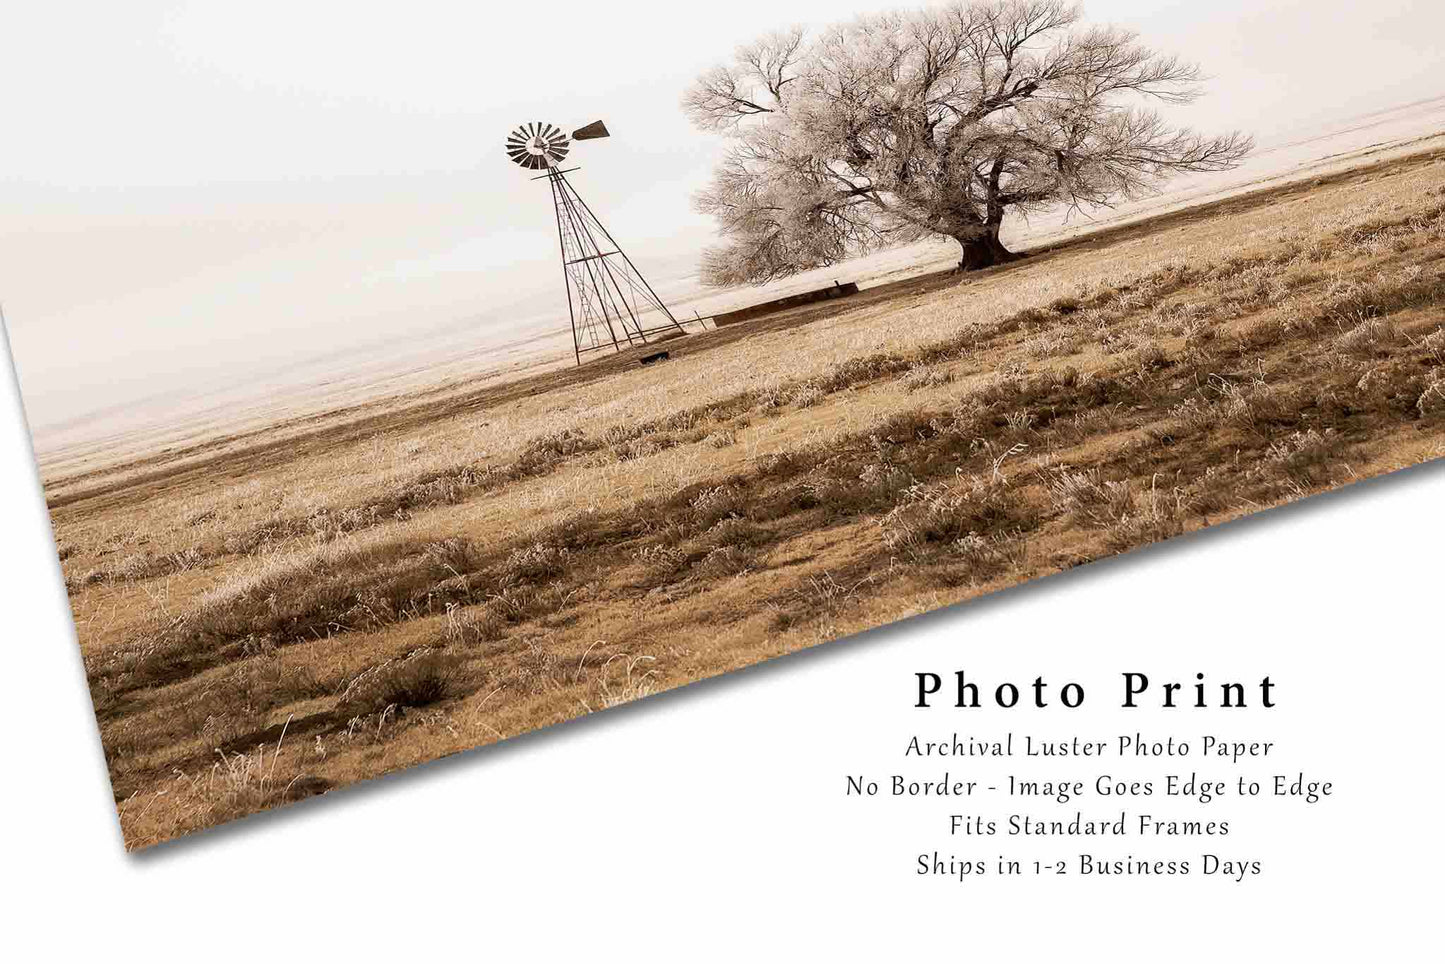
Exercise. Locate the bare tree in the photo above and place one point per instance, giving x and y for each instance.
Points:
(900, 126)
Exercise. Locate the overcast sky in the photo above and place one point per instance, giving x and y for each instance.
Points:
(188, 190)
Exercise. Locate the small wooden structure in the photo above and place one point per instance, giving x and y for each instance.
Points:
(835, 290)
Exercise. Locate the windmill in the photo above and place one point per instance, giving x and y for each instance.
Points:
(609, 302)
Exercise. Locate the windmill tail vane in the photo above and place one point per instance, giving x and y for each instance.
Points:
(610, 303)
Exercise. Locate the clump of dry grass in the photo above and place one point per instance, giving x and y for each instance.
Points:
(632, 449)
(960, 516)
(421, 678)
(1432, 399)
(1302, 459)
(470, 627)
(553, 446)
(818, 597)
(1046, 344)
(736, 533)
(1300, 448)
(625, 678)
(535, 563)
(857, 371)
(726, 561)
(1085, 496)
(922, 376)
(325, 591)
(235, 785)
(1152, 515)
(806, 395)
(716, 503)
(538, 667)
(663, 563)
(1434, 345)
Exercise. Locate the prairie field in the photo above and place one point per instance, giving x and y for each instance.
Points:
(274, 614)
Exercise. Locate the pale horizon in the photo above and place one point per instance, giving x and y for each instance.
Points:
(244, 199)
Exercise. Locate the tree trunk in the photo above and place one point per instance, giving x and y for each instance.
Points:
(983, 250)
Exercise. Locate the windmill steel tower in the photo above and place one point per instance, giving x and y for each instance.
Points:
(608, 300)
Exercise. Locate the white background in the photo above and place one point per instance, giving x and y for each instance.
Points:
(712, 821)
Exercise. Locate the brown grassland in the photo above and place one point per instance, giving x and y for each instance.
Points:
(269, 616)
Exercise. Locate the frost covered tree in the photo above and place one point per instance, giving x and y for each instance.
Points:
(901, 126)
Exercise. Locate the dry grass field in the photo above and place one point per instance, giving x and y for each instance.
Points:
(267, 617)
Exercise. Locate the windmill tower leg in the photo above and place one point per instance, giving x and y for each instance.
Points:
(566, 275)
(652, 297)
(597, 283)
(586, 302)
(605, 291)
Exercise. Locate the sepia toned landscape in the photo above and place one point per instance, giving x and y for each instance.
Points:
(273, 613)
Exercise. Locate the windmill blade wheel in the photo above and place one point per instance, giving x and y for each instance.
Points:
(537, 146)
